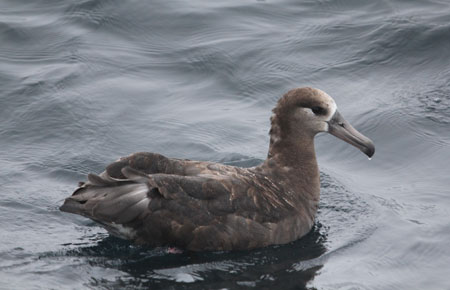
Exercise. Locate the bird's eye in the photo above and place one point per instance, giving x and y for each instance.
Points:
(318, 110)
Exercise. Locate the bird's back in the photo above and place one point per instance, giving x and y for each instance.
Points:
(158, 201)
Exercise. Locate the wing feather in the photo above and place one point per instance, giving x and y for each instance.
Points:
(158, 205)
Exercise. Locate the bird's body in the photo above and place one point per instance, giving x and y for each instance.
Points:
(194, 205)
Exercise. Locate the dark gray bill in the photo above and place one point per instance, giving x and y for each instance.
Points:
(342, 129)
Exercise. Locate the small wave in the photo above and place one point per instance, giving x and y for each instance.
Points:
(348, 217)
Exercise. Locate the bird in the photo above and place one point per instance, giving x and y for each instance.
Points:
(157, 201)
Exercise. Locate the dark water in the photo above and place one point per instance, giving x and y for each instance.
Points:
(85, 82)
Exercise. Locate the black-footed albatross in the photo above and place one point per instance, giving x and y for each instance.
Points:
(196, 205)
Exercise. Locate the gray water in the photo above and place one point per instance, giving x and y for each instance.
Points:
(83, 83)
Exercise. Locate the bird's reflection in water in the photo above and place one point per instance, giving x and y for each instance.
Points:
(289, 266)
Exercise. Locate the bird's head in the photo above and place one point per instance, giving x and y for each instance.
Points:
(308, 111)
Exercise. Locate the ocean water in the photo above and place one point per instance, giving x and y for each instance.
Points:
(83, 83)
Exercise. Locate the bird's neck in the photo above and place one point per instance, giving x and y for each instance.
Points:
(290, 147)
(292, 161)
(296, 152)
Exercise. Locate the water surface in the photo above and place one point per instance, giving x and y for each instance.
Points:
(85, 82)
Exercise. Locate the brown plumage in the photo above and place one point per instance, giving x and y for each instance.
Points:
(160, 201)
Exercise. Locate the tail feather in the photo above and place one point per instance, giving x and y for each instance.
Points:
(115, 207)
(106, 202)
